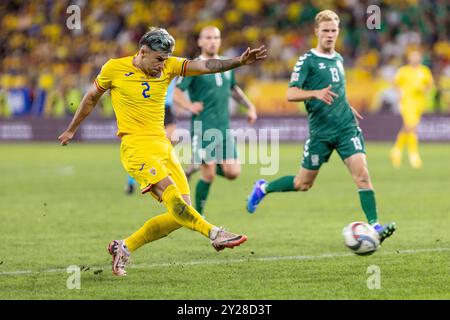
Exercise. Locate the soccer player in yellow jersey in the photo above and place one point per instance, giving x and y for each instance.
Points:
(138, 87)
(413, 82)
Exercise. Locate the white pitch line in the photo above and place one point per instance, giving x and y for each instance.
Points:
(209, 262)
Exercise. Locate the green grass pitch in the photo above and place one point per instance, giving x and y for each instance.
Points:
(61, 206)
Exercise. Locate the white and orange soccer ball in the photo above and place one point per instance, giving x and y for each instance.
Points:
(361, 238)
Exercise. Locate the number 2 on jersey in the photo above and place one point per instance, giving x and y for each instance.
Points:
(145, 90)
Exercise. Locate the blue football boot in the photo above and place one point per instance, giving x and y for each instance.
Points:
(386, 230)
(256, 196)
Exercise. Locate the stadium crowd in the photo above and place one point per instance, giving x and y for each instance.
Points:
(46, 67)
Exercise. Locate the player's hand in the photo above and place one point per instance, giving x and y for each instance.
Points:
(251, 55)
(251, 116)
(357, 114)
(65, 137)
(196, 107)
(326, 95)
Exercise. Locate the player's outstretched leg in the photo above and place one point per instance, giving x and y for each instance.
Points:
(283, 184)
(357, 165)
(153, 229)
(188, 217)
(368, 204)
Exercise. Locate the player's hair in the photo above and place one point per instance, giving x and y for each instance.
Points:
(158, 39)
(325, 15)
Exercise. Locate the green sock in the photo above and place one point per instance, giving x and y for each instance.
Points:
(282, 184)
(201, 193)
(219, 170)
(368, 204)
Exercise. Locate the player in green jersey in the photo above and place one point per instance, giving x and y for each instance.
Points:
(318, 79)
(212, 92)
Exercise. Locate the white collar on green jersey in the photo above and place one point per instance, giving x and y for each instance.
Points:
(323, 55)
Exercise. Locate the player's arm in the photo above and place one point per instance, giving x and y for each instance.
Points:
(296, 91)
(240, 97)
(295, 94)
(181, 100)
(198, 67)
(84, 109)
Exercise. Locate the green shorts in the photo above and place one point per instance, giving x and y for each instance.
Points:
(318, 150)
(215, 147)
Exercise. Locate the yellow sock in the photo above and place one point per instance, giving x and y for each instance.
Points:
(401, 141)
(154, 229)
(413, 143)
(183, 213)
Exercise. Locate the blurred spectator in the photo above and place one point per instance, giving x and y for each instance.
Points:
(45, 68)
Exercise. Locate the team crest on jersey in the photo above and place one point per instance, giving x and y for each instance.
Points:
(152, 171)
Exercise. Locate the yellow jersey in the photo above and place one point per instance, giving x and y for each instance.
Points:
(413, 82)
(138, 100)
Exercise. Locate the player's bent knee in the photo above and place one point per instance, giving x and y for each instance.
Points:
(362, 181)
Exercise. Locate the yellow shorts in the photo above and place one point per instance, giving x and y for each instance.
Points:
(411, 118)
(149, 160)
(411, 113)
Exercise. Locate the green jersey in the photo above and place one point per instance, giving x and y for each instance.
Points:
(315, 71)
(214, 91)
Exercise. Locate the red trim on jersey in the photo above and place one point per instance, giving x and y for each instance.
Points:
(147, 188)
(184, 67)
(98, 85)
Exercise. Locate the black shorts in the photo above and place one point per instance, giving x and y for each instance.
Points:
(169, 116)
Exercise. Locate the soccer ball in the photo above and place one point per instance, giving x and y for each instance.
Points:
(361, 238)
